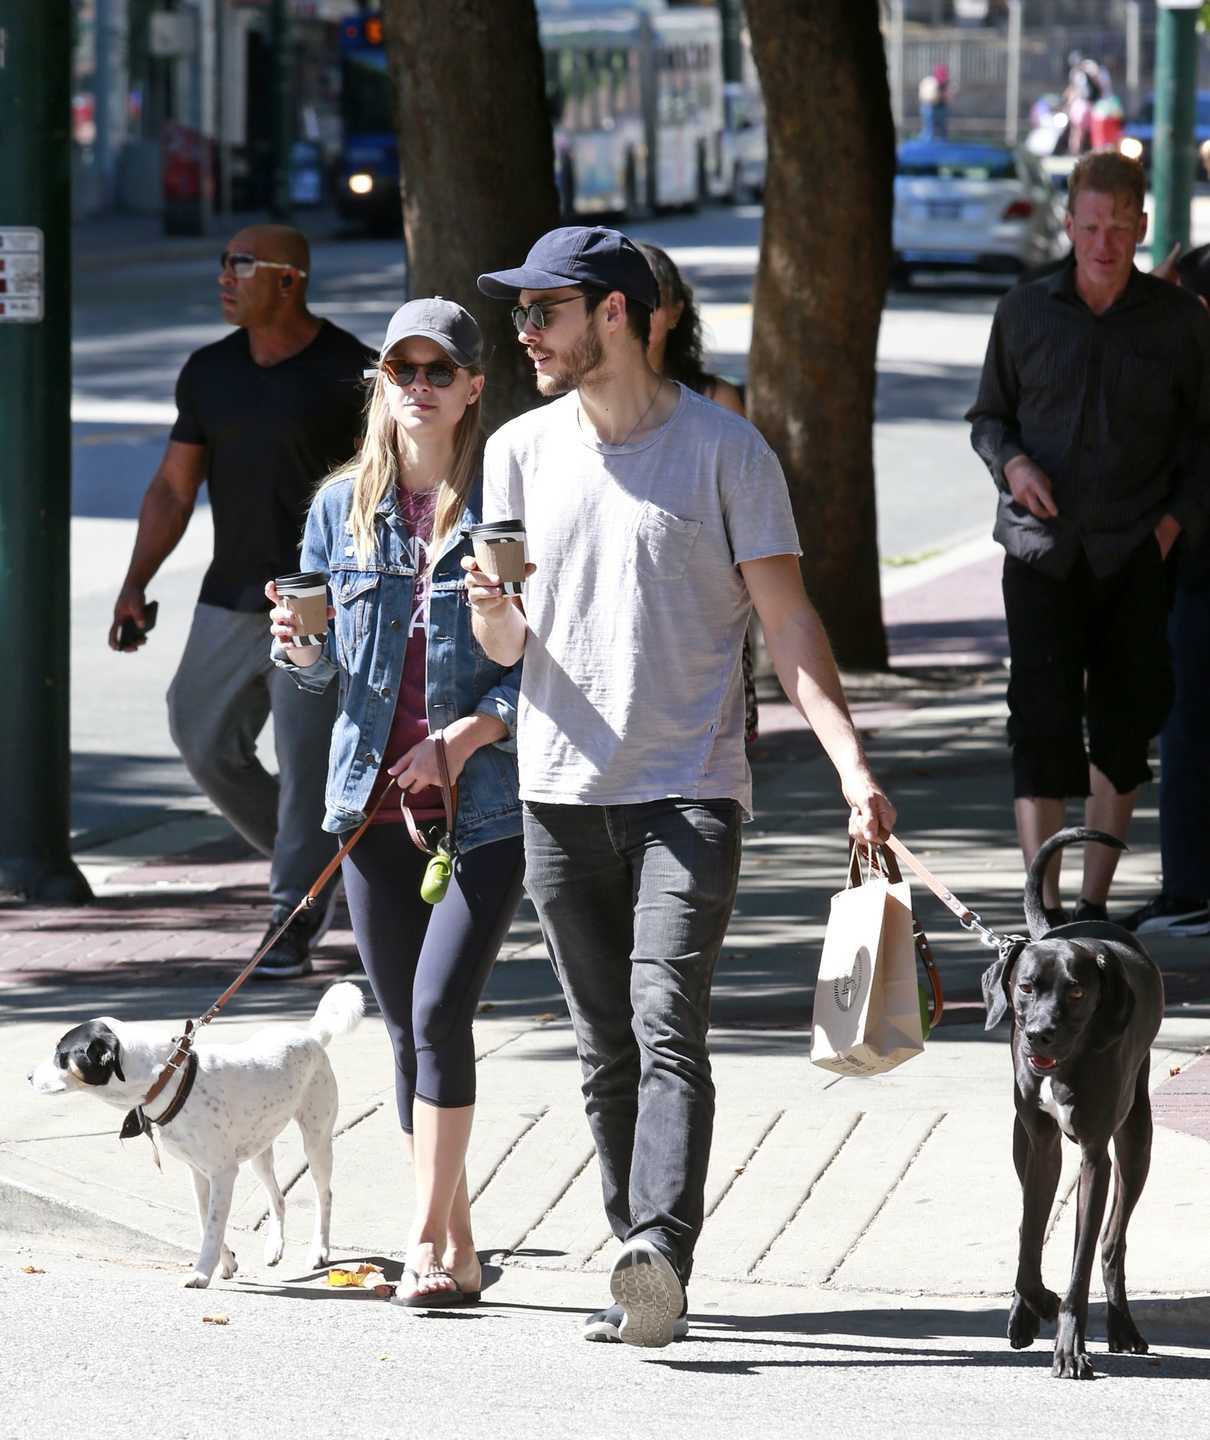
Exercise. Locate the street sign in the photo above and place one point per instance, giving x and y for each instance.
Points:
(20, 274)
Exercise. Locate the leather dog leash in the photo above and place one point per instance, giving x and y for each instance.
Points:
(449, 800)
(136, 1122)
(967, 918)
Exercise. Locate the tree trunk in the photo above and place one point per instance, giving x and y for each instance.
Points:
(477, 162)
(824, 260)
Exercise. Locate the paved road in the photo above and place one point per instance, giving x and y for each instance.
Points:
(142, 1359)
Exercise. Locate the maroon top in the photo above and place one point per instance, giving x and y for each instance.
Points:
(410, 723)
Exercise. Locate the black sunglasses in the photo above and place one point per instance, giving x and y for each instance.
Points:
(535, 314)
(439, 374)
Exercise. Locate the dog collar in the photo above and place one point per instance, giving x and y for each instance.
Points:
(137, 1122)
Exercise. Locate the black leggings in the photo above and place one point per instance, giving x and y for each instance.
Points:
(427, 964)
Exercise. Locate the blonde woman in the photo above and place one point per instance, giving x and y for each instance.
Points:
(388, 531)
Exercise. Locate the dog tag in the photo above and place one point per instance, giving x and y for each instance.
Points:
(135, 1124)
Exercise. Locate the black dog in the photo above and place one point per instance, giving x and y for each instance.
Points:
(1086, 1002)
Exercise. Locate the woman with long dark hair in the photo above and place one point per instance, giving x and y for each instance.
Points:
(675, 350)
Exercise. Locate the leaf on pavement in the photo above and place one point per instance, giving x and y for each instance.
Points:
(365, 1275)
(216, 1319)
(32, 1270)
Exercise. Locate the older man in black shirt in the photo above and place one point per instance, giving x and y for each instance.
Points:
(263, 416)
(1093, 416)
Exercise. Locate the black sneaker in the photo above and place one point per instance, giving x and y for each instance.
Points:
(1090, 910)
(1055, 916)
(290, 957)
(1169, 915)
(604, 1325)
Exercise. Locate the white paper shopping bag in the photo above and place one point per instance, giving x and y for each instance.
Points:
(867, 1009)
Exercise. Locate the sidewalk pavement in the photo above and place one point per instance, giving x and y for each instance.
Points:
(101, 241)
(896, 1191)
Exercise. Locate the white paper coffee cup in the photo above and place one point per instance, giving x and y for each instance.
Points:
(500, 550)
(305, 595)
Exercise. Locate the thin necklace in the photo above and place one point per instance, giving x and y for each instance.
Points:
(659, 385)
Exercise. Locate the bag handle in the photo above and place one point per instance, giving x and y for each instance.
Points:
(923, 948)
(880, 860)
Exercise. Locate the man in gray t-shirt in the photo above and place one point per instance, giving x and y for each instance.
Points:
(655, 521)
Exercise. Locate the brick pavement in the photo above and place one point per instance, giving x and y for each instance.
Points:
(165, 928)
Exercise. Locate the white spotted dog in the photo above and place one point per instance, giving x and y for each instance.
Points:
(228, 1106)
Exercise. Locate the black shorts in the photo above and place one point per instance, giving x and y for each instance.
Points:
(1086, 650)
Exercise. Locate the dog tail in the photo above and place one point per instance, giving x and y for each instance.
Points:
(1035, 915)
(339, 1011)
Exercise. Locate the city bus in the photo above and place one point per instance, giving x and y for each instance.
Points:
(367, 176)
(636, 101)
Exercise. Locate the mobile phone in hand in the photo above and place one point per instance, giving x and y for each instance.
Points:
(130, 633)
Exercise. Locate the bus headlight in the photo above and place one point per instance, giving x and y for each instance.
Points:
(1131, 147)
(361, 183)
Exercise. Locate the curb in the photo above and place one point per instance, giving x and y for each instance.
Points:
(31, 1217)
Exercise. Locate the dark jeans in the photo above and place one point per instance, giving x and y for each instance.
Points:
(427, 964)
(634, 902)
(1086, 648)
(1185, 751)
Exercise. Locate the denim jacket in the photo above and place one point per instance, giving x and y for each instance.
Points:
(365, 648)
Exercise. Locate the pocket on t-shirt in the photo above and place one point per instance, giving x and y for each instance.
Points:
(663, 543)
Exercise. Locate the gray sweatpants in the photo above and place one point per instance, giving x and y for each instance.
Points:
(223, 692)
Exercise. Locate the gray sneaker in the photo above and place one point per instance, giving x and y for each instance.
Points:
(604, 1325)
(650, 1293)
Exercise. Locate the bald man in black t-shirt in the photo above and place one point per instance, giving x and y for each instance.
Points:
(263, 416)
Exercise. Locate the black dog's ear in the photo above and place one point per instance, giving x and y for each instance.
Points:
(117, 1062)
(100, 1059)
(997, 982)
(1116, 1004)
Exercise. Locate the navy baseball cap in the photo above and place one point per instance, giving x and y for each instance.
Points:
(456, 330)
(579, 255)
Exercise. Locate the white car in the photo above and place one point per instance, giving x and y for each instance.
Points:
(972, 206)
(742, 171)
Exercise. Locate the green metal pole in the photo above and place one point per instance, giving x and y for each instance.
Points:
(283, 106)
(733, 49)
(1173, 160)
(35, 441)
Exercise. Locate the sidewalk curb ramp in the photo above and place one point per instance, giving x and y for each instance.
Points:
(32, 1218)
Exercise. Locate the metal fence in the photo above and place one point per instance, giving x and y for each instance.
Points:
(981, 63)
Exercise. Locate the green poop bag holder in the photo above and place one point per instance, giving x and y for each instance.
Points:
(440, 848)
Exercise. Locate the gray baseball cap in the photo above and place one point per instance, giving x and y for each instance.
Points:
(456, 330)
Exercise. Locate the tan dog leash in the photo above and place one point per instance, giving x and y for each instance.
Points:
(967, 918)
(184, 1042)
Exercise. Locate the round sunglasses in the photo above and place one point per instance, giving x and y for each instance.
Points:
(536, 315)
(439, 373)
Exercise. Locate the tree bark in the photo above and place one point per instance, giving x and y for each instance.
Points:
(824, 261)
(477, 163)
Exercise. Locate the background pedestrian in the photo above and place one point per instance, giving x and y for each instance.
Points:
(262, 416)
